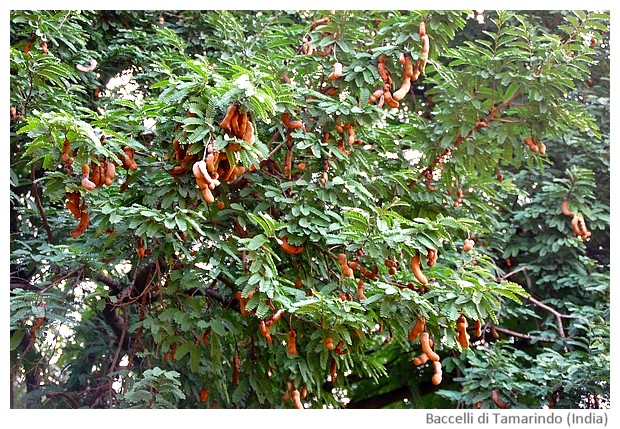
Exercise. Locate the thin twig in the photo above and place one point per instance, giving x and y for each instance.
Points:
(520, 335)
(35, 192)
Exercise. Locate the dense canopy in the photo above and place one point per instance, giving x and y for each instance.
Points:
(309, 209)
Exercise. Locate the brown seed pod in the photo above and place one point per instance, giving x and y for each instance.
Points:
(333, 371)
(565, 209)
(360, 290)
(204, 394)
(296, 398)
(73, 204)
(235, 375)
(436, 379)
(418, 328)
(422, 29)
(426, 347)
(329, 343)
(318, 22)
(390, 100)
(129, 163)
(110, 172)
(82, 225)
(376, 95)
(415, 268)
(495, 397)
(420, 360)
(462, 335)
(228, 117)
(242, 303)
(289, 248)
(286, 120)
(468, 245)
(86, 182)
(64, 156)
(346, 270)
(292, 348)
(478, 327)
(336, 72)
(382, 69)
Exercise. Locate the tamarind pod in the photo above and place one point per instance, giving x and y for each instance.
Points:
(417, 71)
(207, 195)
(494, 332)
(82, 225)
(390, 263)
(242, 303)
(204, 394)
(542, 148)
(583, 228)
(415, 268)
(289, 248)
(332, 91)
(390, 100)
(73, 204)
(263, 328)
(353, 264)
(298, 283)
(426, 347)
(422, 29)
(291, 124)
(230, 113)
(418, 328)
(468, 245)
(403, 90)
(436, 379)
(360, 290)
(110, 171)
(275, 318)
(292, 348)
(375, 95)
(295, 397)
(288, 163)
(528, 141)
(478, 326)
(342, 258)
(318, 22)
(565, 209)
(248, 137)
(401, 59)
(351, 132)
(431, 257)
(383, 73)
(495, 397)
(339, 127)
(425, 47)
(96, 178)
(324, 178)
(66, 147)
(329, 343)
(463, 338)
(210, 163)
(242, 124)
(235, 375)
(333, 370)
(86, 183)
(420, 360)
(178, 150)
(575, 225)
(408, 68)
(336, 72)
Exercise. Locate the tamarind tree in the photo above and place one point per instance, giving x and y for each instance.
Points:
(278, 209)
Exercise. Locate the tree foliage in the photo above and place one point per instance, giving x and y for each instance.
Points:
(160, 298)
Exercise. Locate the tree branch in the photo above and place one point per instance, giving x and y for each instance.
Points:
(557, 315)
(35, 193)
